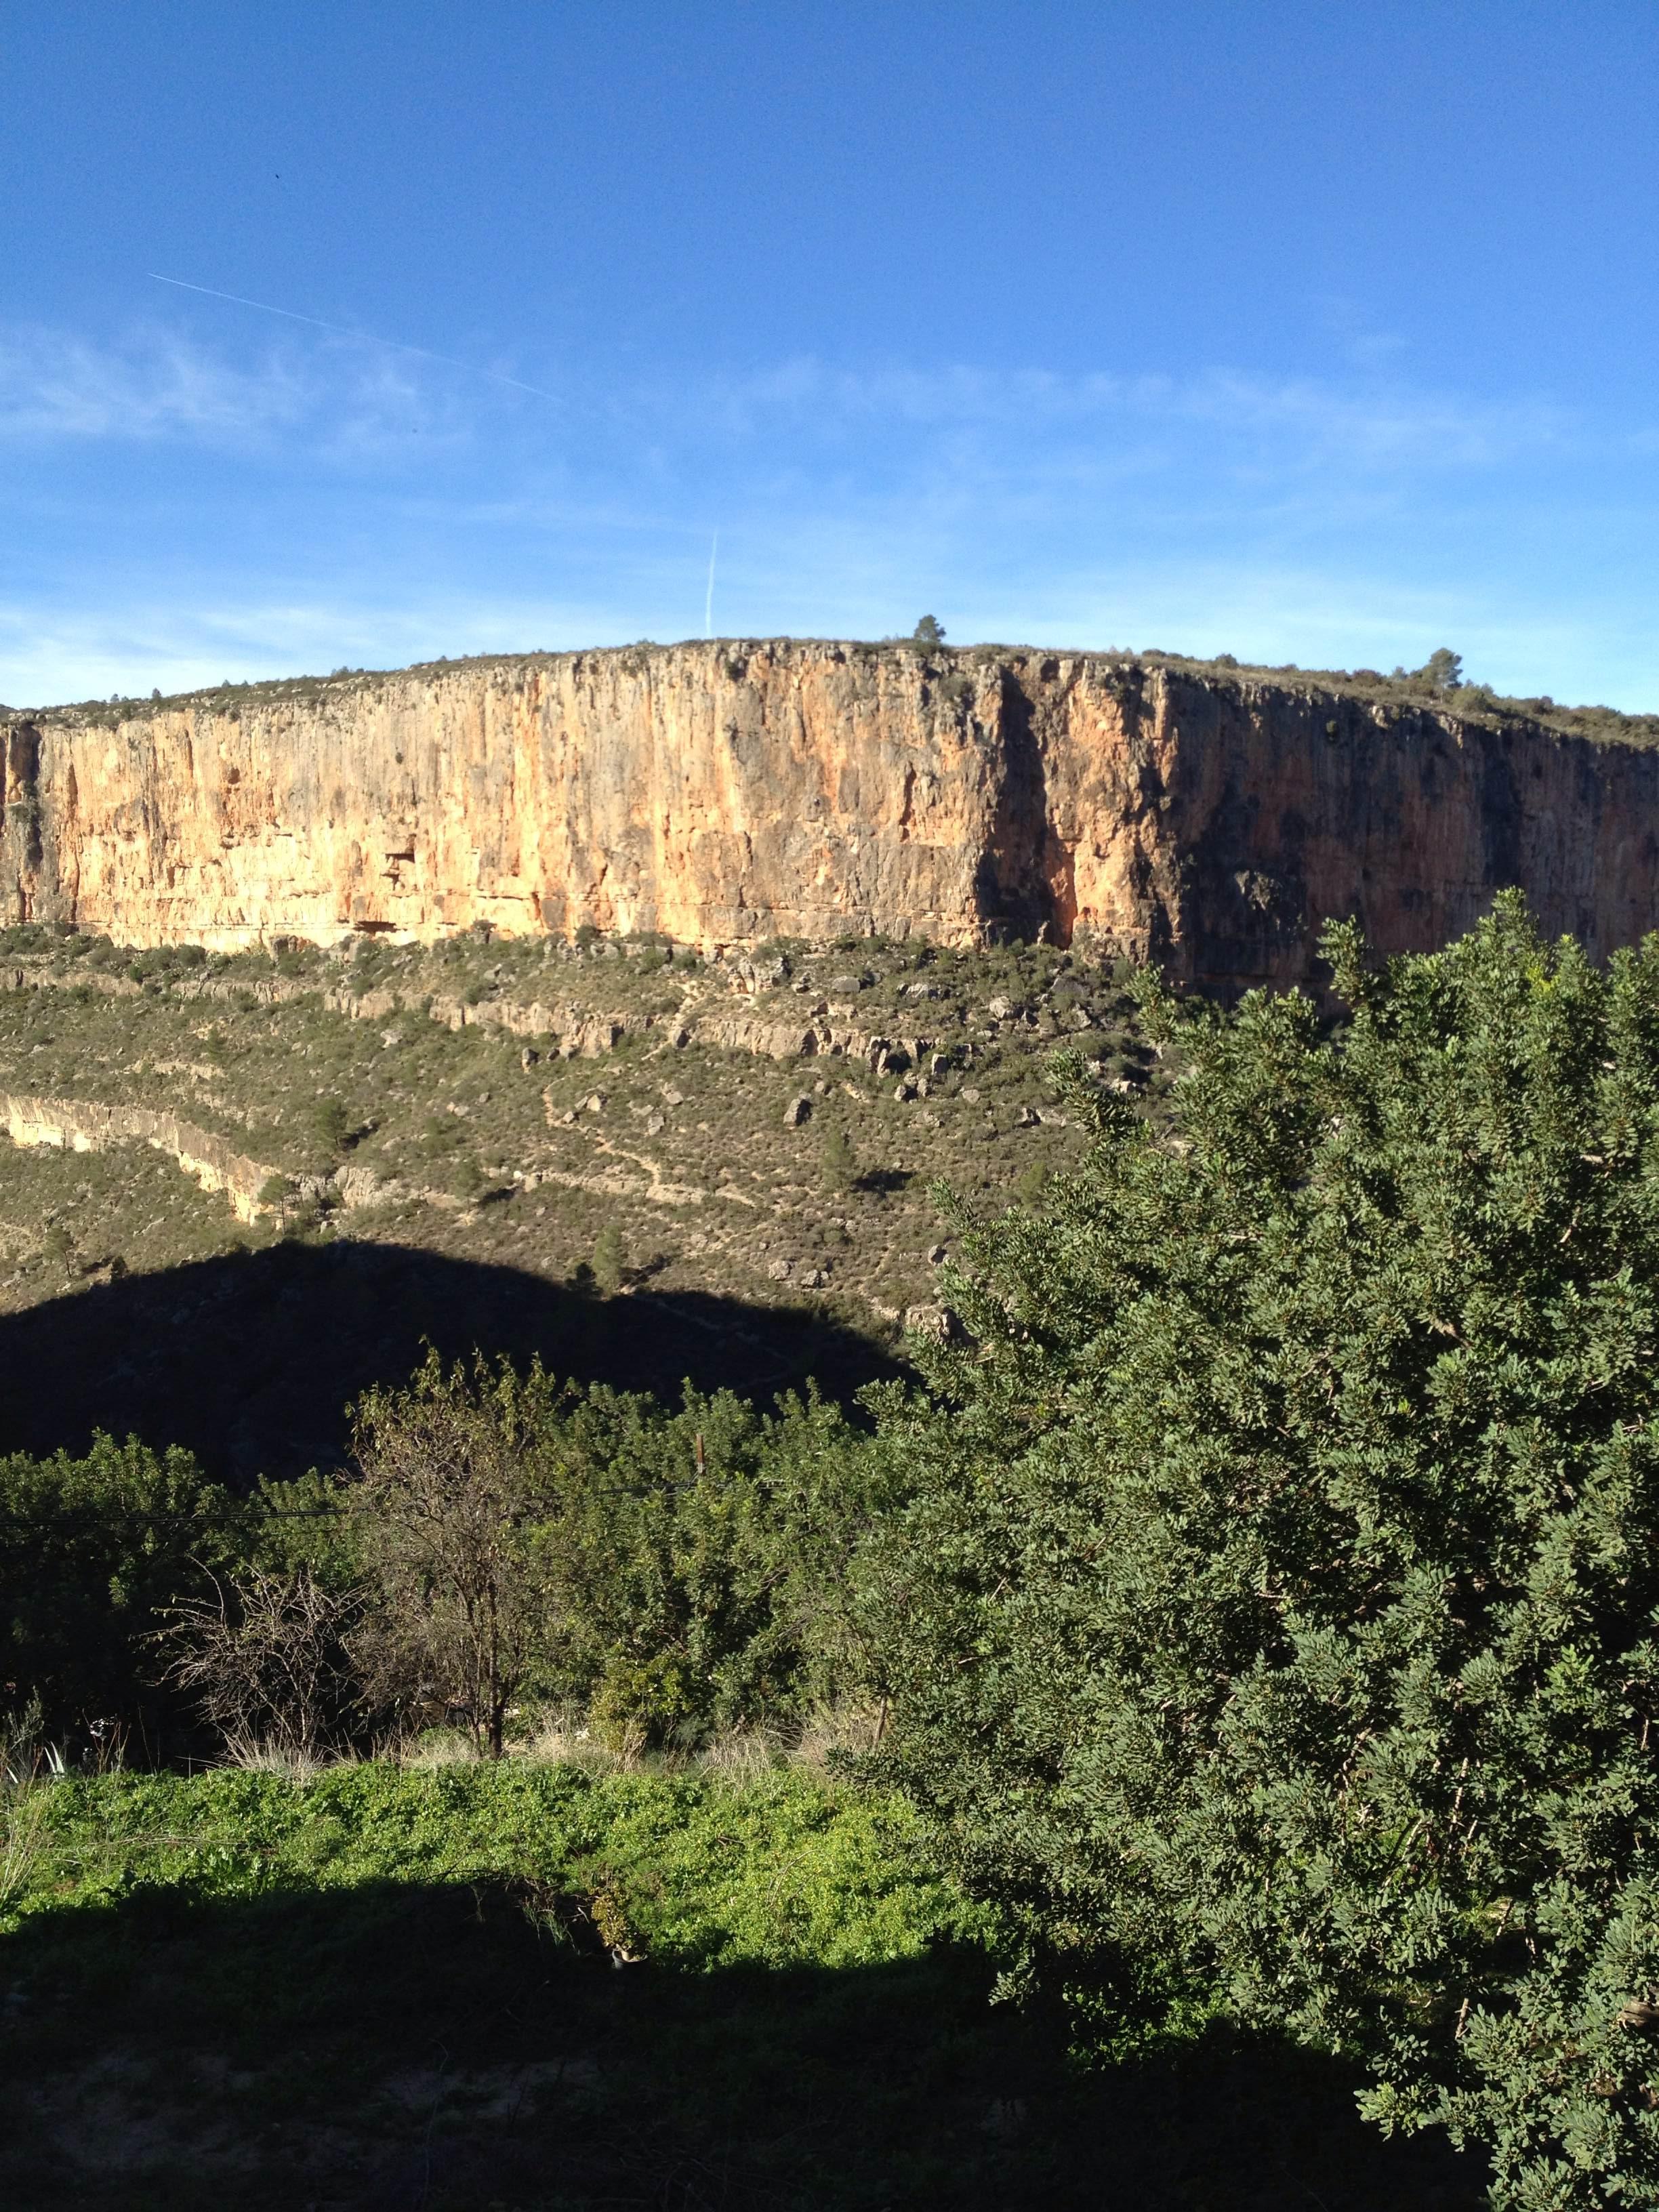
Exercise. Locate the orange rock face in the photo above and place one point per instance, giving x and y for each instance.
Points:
(723, 794)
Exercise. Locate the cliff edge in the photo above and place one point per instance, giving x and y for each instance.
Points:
(729, 792)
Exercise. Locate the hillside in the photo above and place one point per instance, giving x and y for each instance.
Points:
(641, 1162)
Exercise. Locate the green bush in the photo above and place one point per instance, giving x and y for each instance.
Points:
(838, 1162)
(669, 1573)
(1274, 1625)
(699, 1560)
(610, 1258)
(92, 1552)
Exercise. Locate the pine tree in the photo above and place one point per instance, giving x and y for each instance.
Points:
(610, 1258)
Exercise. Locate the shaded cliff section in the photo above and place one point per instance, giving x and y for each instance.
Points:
(726, 793)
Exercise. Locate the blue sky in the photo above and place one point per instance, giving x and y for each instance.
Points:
(1312, 333)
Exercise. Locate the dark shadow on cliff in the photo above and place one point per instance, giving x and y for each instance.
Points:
(1015, 886)
(402, 2046)
(249, 1360)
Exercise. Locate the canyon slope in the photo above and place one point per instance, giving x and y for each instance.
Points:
(729, 793)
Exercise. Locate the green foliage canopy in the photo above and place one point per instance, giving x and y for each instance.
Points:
(699, 1560)
(665, 1573)
(92, 1552)
(1274, 1619)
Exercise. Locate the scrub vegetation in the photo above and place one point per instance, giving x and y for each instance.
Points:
(418, 1097)
(1214, 1675)
(1440, 683)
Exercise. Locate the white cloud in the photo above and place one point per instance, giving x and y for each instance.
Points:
(1363, 422)
(335, 398)
(348, 399)
(1319, 520)
(53, 386)
(130, 649)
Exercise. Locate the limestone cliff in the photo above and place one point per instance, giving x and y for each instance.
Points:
(724, 793)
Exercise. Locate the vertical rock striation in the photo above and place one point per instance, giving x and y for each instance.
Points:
(724, 793)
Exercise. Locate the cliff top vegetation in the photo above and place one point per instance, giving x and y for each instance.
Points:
(1438, 687)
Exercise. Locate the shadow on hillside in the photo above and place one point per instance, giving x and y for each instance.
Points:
(250, 1360)
(396, 2046)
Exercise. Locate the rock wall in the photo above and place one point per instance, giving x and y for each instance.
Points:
(723, 794)
(78, 1125)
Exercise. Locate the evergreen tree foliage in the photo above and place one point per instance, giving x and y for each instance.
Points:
(837, 1160)
(1443, 670)
(1273, 1621)
(610, 1258)
(93, 1551)
(696, 1560)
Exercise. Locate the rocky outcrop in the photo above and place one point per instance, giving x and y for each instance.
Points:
(83, 1125)
(725, 794)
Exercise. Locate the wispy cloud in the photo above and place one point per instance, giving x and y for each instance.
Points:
(121, 645)
(1360, 420)
(402, 509)
(157, 385)
(370, 339)
(153, 385)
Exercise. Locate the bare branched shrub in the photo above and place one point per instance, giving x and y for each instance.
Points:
(268, 1659)
(444, 1519)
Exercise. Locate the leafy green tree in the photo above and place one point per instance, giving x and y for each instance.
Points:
(927, 633)
(92, 1552)
(443, 1517)
(1272, 1624)
(330, 1126)
(699, 1559)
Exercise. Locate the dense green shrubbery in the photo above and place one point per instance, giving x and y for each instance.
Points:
(91, 1551)
(1273, 1621)
(670, 1574)
(510, 1546)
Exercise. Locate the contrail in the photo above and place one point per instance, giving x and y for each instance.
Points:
(363, 337)
(708, 600)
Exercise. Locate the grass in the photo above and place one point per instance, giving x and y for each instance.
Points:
(393, 1987)
(790, 1870)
